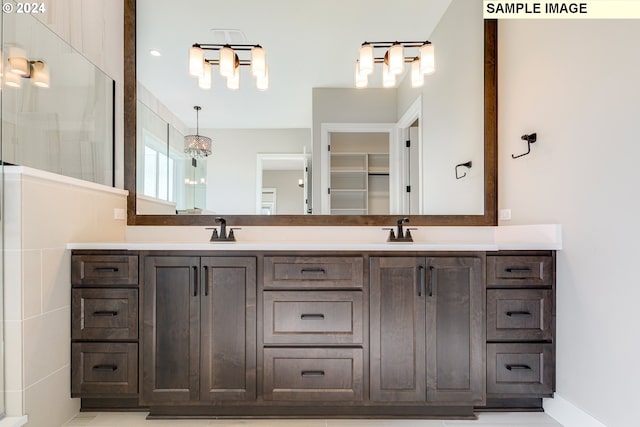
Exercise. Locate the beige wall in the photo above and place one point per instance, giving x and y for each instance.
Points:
(231, 169)
(43, 212)
(575, 83)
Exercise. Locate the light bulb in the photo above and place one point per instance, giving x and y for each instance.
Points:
(204, 80)
(262, 82)
(388, 78)
(233, 82)
(196, 61)
(366, 59)
(227, 62)
(417, 78)
(361, 78)
(40, 74)
(396, 59)
(258, 61)
(427, 59)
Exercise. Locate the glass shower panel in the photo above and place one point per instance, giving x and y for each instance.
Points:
(64, 122)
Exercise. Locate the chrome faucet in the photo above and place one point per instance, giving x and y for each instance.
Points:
(401, 234)
(222, 236)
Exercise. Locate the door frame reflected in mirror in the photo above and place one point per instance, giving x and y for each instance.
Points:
(488, 218)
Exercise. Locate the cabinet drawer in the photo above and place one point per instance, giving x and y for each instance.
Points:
(519, 314)
(104, 270)
(525, 370)
(313, 317)
(519, 271)
(104, 314)
(313, 272)
(104, 369)
(313, 374)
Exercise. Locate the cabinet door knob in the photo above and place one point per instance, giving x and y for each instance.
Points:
(423, 279)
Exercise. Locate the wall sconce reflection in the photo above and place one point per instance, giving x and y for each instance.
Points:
(20, 67)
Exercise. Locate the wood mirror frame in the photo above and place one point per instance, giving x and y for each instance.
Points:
(490, 155)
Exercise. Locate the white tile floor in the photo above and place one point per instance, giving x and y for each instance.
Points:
(488, 419)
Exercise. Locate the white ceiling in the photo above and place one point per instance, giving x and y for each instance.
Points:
(308, 44)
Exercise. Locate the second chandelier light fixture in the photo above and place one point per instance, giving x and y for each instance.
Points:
(393, 62)
(229, 64)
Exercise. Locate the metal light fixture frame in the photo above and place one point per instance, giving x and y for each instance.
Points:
(236, 48)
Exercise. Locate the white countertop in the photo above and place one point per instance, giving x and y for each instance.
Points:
(528, 237)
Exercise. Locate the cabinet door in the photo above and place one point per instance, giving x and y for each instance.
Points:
(397, 318)
(171, 330)
(228, 329)
(455, 334)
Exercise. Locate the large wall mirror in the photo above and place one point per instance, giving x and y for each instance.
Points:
(311, 149)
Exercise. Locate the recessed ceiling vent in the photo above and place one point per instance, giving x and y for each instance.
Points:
(228, 36)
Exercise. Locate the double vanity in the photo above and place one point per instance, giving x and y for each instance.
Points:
(286, 330)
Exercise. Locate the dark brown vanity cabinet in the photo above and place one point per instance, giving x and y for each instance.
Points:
(199, 329)
(314, 329)
(311, 334)
(427, 338)
(520, 328)
(104, 325)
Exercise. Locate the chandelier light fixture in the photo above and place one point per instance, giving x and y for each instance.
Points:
(197, 145)
(228, 63)
(422, 62)
(20, 67)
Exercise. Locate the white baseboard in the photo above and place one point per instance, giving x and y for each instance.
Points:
(13, 421)
(567, 414)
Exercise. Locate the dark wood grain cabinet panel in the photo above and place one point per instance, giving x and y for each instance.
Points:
(104, 270)
(313, 317)
(199, 329)
(520, 328)
(520, 314)
(427, 342)
(298, 272)
(104, 369)
(520, 370)
(520, 271)
(397, 321)
(104, 314)
(313, 374)
(104, 325)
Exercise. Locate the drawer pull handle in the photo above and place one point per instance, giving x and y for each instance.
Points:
(517, 269)
(107, 269)
(432, 282)
(312, 316)
(105, 368)
(523, 367)
(421, 291)
(105, 313)
(307, 374)
(319, 270)
(518, 313)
